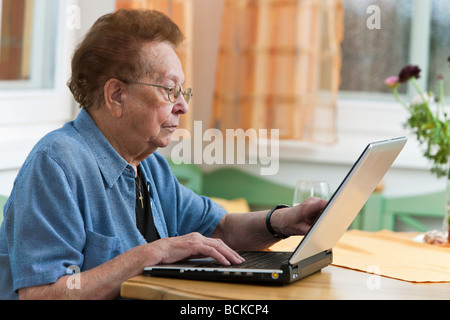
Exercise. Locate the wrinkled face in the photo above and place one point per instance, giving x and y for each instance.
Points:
(151, 117)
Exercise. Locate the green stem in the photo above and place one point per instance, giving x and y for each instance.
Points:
(441, 98)
(416, 85)
(425, 101)
(441, 93)
(397, 97)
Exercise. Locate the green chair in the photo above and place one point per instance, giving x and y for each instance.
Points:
(260, 193)
(382, 212)
(3, 200)
(369, 218)
(379, 212)
(231, 183)
(188, 175)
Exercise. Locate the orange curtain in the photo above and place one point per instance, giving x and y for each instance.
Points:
(279, 67)
(181, 12)
(15, 39)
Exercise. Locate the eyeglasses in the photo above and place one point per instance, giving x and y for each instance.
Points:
(173, 92)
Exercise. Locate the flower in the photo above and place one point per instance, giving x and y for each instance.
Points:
(392, 82)
(409, 72)
(418, 99)
(432, 128)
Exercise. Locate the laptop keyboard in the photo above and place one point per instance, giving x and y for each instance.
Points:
(257, 260)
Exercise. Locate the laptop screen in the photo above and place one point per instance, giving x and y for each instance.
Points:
(349, 198)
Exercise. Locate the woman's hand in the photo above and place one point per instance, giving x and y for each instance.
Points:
(299, 219)
(193, 245)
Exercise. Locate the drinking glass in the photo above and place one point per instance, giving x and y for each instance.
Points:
(306, 189)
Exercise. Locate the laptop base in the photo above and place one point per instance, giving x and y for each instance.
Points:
(283, 275)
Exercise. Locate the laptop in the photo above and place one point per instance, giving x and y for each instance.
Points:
(314, 251)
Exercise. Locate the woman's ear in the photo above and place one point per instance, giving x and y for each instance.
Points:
(113, 91)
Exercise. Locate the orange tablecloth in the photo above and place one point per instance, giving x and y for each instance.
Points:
(389, 254)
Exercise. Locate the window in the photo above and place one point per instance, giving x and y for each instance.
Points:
(28, 30)
(370, 55)
(35, 53)
(414, 32)
(439, 45)
(409, 32)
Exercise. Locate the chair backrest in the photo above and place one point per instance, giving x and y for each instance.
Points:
(3, 200)
(231, 183)
(384, 212)
(188, 175)
(409, 209)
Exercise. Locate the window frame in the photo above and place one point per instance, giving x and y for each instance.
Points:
(26, 115)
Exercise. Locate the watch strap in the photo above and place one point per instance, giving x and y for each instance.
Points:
(268, 224)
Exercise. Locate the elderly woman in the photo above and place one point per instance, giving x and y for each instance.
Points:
(96, 197)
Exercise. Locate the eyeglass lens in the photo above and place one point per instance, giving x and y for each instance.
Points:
(175, 92)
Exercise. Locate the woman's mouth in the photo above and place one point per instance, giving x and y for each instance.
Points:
(171, 128)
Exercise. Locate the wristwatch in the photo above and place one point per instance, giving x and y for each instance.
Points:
(269, 226)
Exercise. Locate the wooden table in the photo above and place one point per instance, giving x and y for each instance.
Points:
(332, 282)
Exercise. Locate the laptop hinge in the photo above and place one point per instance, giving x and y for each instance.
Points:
(311, 265)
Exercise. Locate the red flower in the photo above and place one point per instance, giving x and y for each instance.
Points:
(409, 72)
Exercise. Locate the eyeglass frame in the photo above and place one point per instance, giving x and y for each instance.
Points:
(182, 92)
